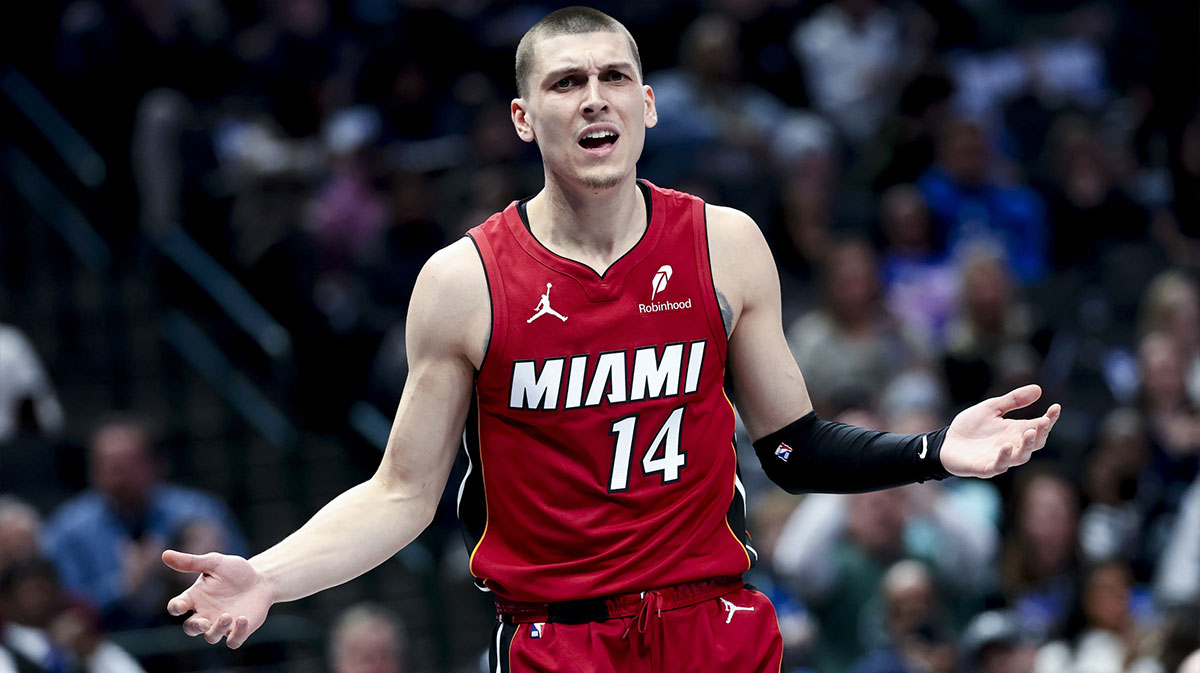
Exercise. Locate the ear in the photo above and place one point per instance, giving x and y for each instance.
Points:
(651, 112)
(520, 120)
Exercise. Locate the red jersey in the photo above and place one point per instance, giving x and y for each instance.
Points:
(600, 439)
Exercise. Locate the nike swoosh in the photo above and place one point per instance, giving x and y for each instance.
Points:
(924, 447)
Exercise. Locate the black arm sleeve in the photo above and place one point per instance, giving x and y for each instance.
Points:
(813, 455)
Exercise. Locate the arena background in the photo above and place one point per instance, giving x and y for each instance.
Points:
(212, 213)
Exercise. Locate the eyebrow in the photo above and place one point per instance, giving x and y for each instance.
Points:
(555, 75)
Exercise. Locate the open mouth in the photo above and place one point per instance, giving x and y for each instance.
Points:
(597, 140)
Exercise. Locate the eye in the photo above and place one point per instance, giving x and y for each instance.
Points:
(616, 76)
(564, 83)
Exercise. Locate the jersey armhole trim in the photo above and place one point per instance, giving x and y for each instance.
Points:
(712, 306)
(497, 331)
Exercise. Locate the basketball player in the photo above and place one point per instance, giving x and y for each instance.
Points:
(602, 506)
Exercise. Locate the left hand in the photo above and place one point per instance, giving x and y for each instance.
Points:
(982, 443)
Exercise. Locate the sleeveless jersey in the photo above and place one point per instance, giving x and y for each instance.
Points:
(600, 438)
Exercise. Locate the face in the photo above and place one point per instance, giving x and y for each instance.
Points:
(368, 648)
(1048, 522)
(875, 521)
(854, 280)
(18, 537)
(1162, 370)
(33, 600)
(586, 109)
(1106, 597)
(122, 465)
(987, 292)
(965, 153)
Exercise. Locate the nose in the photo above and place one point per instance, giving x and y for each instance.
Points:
(594, 100)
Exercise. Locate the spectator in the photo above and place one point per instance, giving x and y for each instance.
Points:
(919, 285)
(713, 126)
(991, 339)
(834, 551)
(854, 57)
(20, 530)
(851, 344)
(44, 632)
(1171, 305)
(995, 642)
(801, 230)
(907, 145)
(1091, 214)
(915, 637)
(1040, 558)
(1121, 494)
(106, 542)
(971, 207)
(367, 638)
(1108, 639)
(1173, 421)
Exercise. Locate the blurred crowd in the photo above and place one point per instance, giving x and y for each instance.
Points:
(961, 195)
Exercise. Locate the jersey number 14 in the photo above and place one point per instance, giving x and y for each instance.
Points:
(666, 441)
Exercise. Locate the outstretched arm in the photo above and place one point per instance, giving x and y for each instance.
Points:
(446, 334)
(824, 456)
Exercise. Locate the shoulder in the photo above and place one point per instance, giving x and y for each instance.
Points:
(450, 304)
(743, 268)
(453, 278)
(730, 226)
(741, 258)
(77, 515)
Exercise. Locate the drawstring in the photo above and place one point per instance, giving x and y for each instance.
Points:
(651, 601)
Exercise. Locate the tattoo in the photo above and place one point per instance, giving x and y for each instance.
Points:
(726, 313)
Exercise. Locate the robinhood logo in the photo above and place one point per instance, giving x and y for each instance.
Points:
(659, 284)
(665, 306)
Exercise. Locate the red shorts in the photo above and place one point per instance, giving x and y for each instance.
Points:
(733, 632)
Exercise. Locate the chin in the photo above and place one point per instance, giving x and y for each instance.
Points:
(600, 181)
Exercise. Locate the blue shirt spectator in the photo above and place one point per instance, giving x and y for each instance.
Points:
(969, 209)
(106, 542)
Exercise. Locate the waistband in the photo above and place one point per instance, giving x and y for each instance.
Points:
(611, 607)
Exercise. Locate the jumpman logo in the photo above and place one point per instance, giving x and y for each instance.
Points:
(543, 307)
(731, 609)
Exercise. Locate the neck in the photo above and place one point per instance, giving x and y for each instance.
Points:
(594, 227)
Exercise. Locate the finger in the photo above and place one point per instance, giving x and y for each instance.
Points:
(1041, 430)
(189, 563)
(180, 605)
(1028, 445)
(1016, 399)
(195, 625)
(1054, 413)
(1046, 423)
(217, 631)
(1002, 460)
(241, 631)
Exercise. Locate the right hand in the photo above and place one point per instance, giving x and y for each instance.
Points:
(229, 599)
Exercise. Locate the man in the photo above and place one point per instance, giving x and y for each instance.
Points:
(106, 541)
(45, 632)
(602, 506)
(367, 638)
